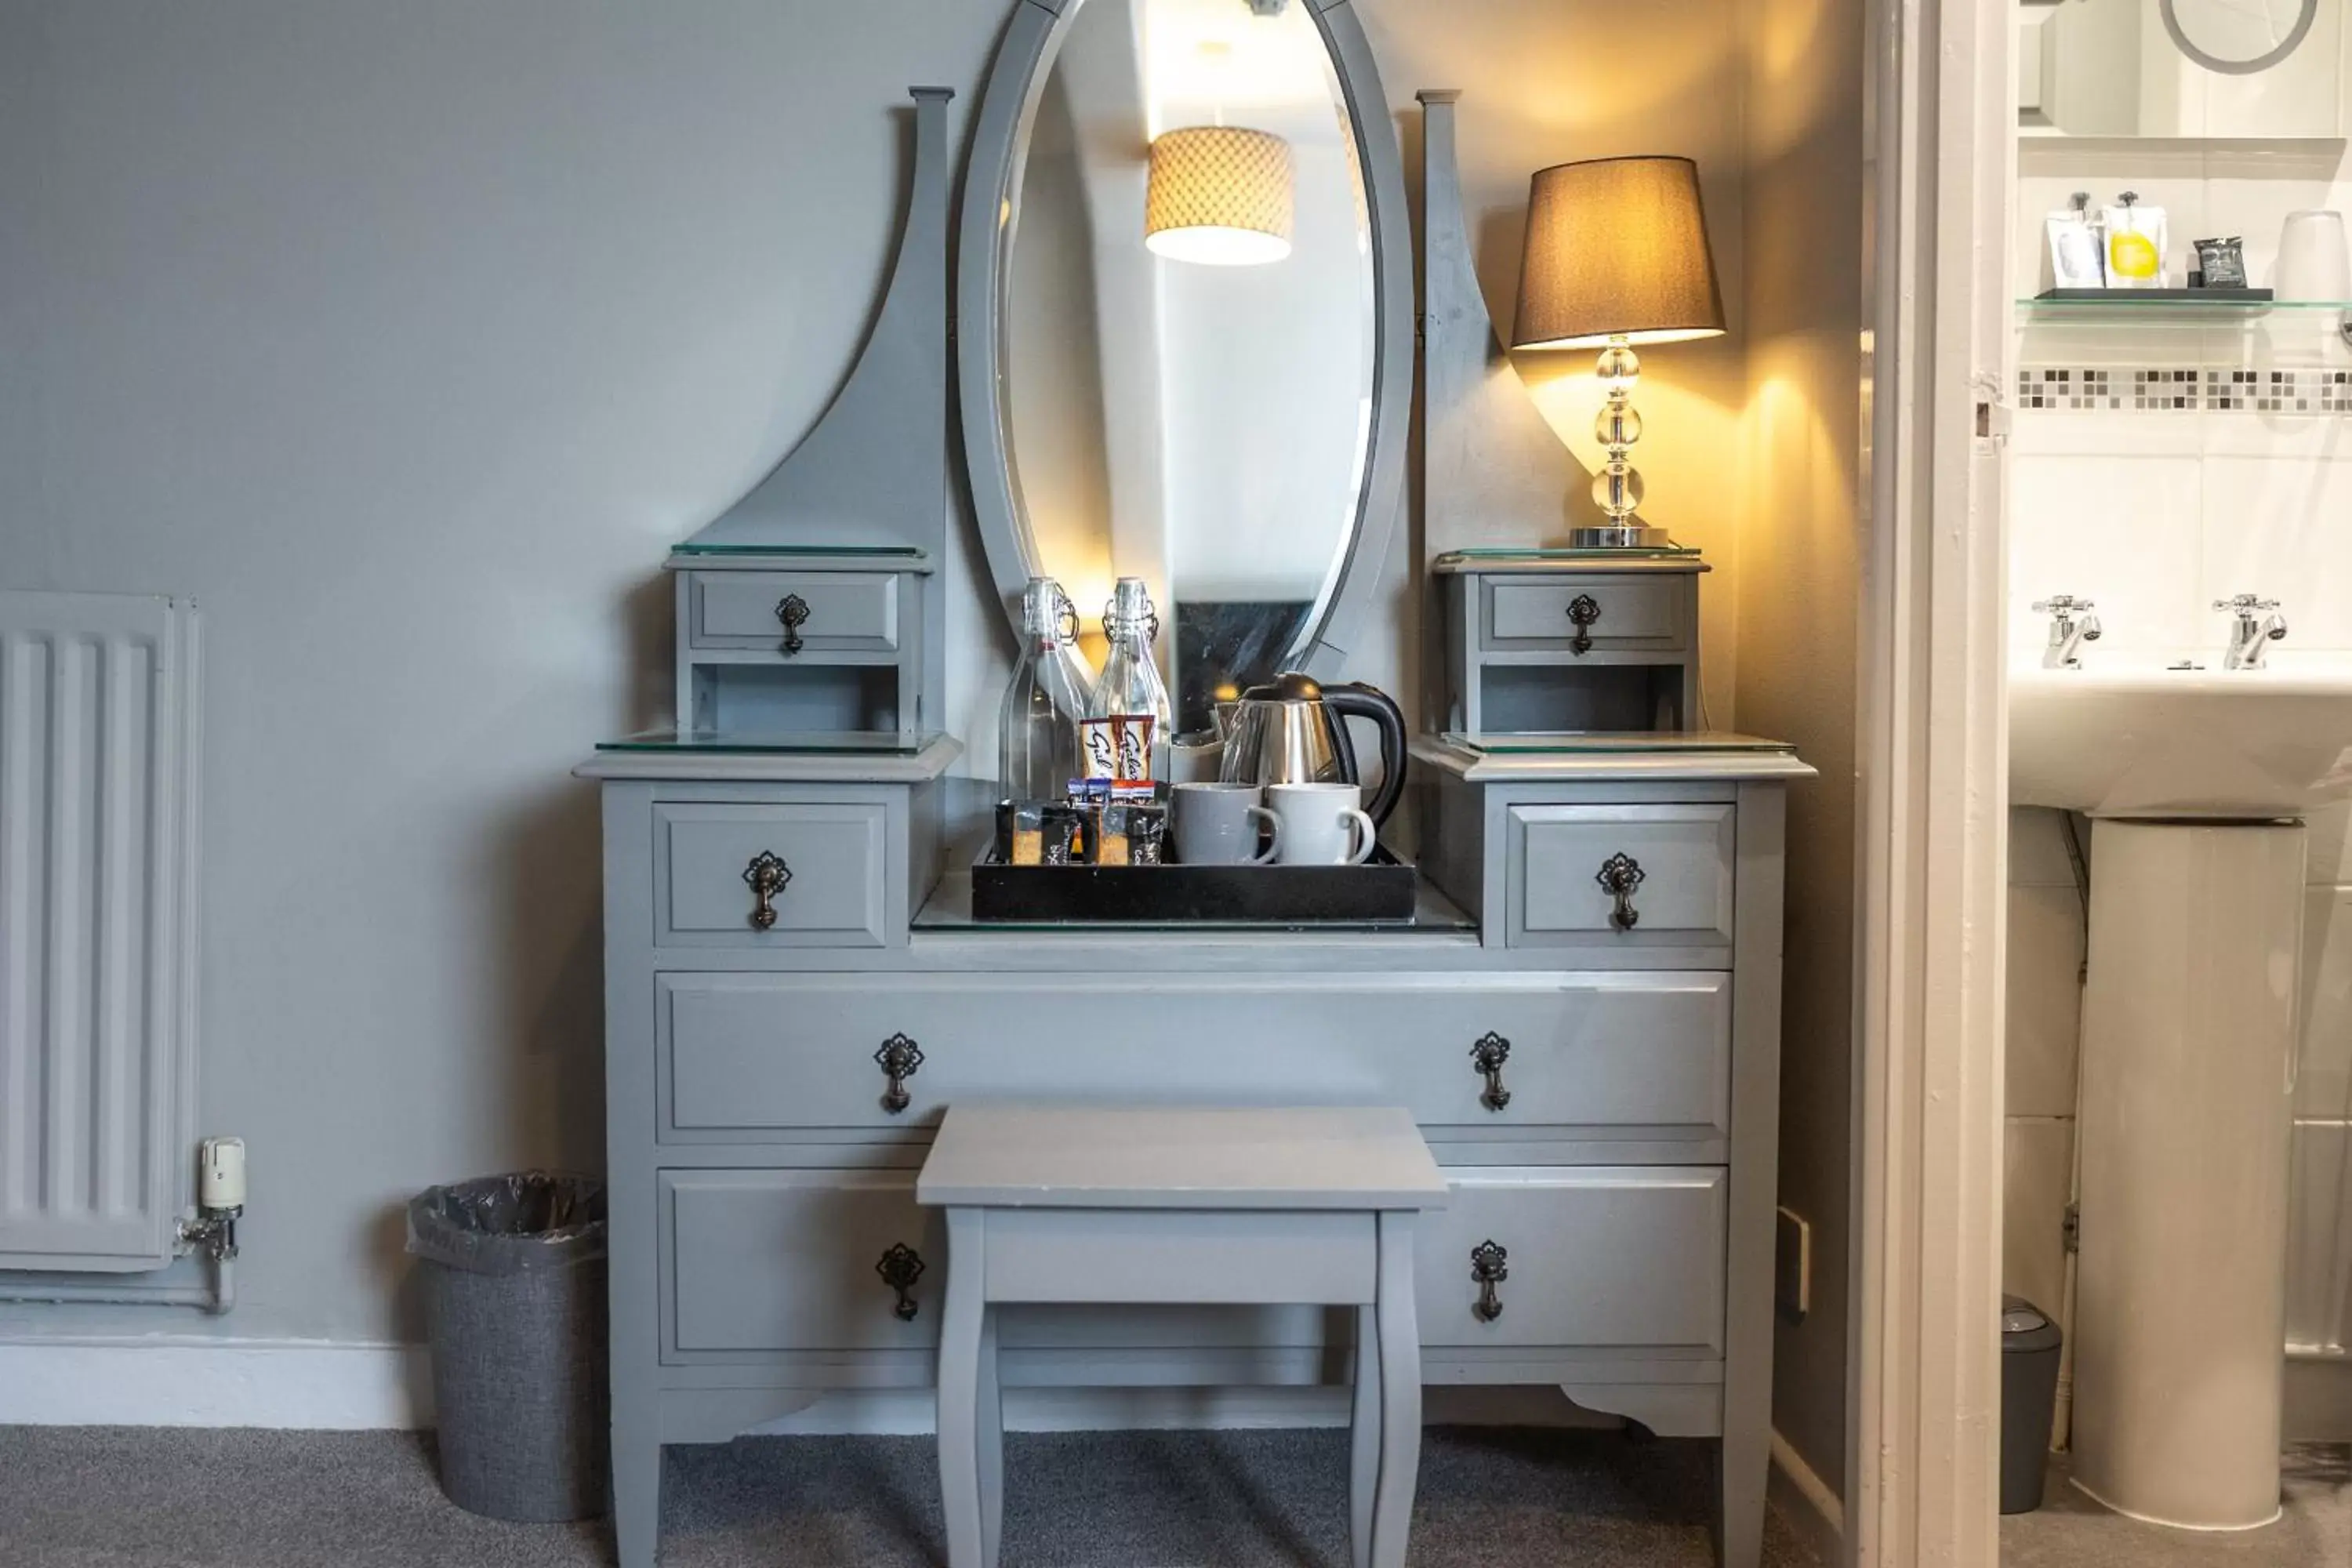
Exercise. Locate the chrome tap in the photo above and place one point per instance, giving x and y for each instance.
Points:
(2071, 626)
(2259, 624)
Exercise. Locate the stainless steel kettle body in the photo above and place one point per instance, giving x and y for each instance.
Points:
(1293, 730)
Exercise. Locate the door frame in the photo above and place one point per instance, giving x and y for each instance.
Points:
(1924, 1375)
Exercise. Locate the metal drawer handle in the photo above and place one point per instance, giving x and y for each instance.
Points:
(1584, 609)
(793, 611)
(900, 1268)
(1619, 875)
(766, 876)
(1488, 1056)
(898, 1059)
(1490, 1265)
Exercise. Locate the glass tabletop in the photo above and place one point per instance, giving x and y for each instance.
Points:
(901, 552)
(1602, 742)
(798, 743)
(1565, 552)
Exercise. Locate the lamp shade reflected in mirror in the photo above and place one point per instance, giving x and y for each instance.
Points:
(1220, 196)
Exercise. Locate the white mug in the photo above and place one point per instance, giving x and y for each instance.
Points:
(1318, 821)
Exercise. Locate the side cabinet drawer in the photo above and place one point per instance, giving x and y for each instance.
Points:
(829, 873)
(1676, 859)
(1626, 1053)
(832, 612)
(1604, 1256)
(1628, 614)
(754, 1262)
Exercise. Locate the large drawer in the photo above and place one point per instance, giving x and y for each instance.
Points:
(758, 1263)
(833, 612)
(1680, 859)
(832, 856)
(1636, 1053)
(1605, 1256)
(1626, 615)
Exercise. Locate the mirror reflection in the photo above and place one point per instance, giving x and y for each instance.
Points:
(1188, 332)
(2182, 68)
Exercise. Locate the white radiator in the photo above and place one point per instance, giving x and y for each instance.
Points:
(98, 724)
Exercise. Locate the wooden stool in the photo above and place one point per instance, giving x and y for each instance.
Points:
(1228, 1207)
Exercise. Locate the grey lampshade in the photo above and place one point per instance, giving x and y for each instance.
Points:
(1616, 246)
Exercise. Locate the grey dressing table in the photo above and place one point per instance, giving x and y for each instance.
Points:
(796, 989)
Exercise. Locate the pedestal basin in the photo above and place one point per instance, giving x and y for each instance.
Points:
(2196, 778)
(2128, 736)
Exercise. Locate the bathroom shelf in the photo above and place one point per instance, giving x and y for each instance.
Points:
(2197, 305)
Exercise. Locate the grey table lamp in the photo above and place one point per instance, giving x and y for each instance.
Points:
(1617, 255)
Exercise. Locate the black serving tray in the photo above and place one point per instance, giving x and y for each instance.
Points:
(1382, 889)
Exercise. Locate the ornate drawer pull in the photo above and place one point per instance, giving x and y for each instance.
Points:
(793, 611)
(1490, 1265)
(898, 1059)
(1488, 1056)
(766, 876)
(1584, 609)
(1619, 875)
(900, 1268)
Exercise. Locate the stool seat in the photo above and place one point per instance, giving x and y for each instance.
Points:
(1063, 1204)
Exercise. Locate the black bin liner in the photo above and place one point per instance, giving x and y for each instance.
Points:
(515, 1308)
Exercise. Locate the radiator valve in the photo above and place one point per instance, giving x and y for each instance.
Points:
(220, 1198)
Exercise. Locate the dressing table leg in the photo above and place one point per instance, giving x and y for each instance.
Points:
(636, 1485)
(1399, 1342)
(960, 1336)
(1364, 1438)
(992, 1443)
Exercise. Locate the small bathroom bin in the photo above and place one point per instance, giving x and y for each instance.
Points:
(2028, 1397)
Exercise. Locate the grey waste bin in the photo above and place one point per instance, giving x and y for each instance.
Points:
(2029, 1398)
(514, 1299)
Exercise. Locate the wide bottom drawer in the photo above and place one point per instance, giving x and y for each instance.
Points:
(762, 1263)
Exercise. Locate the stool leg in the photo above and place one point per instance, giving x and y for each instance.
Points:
(992, 1443)
(960, 1334)
(1364, 1438)
(1399, 1339)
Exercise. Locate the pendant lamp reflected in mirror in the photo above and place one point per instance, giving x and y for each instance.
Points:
(1219, 195)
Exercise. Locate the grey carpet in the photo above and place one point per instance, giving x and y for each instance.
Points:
(1496, 1497)
(2070, 1530)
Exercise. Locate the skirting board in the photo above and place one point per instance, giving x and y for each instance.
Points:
(1809, 1505)
(320, 1385)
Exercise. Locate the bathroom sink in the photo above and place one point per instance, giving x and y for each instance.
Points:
(2125, 736)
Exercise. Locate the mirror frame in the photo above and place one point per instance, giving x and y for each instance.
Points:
(999, 140)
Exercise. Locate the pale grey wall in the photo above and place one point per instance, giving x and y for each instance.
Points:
(407, 337)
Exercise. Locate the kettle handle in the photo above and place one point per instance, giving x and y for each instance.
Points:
(1355, 699)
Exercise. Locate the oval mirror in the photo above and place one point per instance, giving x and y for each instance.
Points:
(2238, 38)
(1186, 378)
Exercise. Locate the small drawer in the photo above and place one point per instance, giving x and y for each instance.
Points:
(824, 860)
(1562, 861)
(1613, 1256)
(1619, 615)
(793, 613)
(754, 1262)
(1628, 1055)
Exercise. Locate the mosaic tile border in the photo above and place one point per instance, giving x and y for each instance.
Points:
(2183, 389)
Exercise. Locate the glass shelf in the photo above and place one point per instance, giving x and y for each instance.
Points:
(808, 743)
(2125, 302)
(1589, 742)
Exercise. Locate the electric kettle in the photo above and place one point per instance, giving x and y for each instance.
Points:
(1294, 729)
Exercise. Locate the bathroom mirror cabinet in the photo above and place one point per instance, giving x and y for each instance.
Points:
(2232, 69)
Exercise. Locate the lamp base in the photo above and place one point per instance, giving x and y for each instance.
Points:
(1627, 535)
